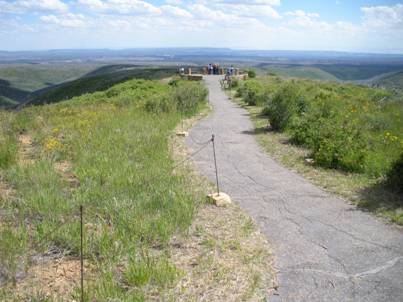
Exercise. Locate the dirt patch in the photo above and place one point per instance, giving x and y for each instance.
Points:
(5, 191)
(65, 169)
(52, 279)
(26, 151)
(224, 257)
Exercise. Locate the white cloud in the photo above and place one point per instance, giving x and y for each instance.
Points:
(246, 8)
(23, 6)
(68, 20)
(250, 2)
(175, 11)
(257, 11)
(125, 7)
(204, 12)
(173, 2)
(301, 18)
(302, 14)
(383, 16)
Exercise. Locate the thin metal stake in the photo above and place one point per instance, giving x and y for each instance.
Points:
(81, 254)
(215, 164)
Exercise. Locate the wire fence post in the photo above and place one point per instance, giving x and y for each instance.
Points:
(81, 254)
(215, 164)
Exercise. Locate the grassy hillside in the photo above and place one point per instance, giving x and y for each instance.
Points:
(109, 152)
(31, 77)
(6, 102)
(357, 72)
(98, 80)
(393, 82)
(11, 95)
(346, 127)
(301, 72)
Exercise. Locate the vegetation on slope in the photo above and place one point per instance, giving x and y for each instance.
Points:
(346, 127)
(392, 82)
(10, 94)
(97, 81)
(308, 72)
(350, 72)
(114, 146)
(31, 77)
(6, 102)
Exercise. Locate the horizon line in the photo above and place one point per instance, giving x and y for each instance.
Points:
(203, 47)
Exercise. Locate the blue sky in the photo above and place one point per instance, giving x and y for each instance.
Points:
(357, 26)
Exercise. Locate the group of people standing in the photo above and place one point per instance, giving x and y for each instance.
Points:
(213, 69)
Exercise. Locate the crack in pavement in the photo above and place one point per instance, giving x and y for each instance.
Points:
(325, 249)
(387, 265)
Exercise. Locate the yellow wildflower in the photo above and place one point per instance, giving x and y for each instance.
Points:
(52, 144)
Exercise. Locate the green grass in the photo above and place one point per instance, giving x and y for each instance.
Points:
(348, 72)
(98, 80)
(348, 129)
(301, 72)
(133, 202)
(30, 77)
(6, 102)
(394, 82)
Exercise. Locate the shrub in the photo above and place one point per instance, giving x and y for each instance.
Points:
(251, 74)
(234, 82)
(160, 103)
(188, 96)
(340, 144)
(253, 92)
(285, 104)
(395, 175)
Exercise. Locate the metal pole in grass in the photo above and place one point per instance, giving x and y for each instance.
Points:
(215, 164)
(81, 254)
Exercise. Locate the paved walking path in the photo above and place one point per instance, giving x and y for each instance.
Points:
(325, 249)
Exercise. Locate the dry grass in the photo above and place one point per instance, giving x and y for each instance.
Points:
(55, 278)
(26, 151)
(65, 169)
(49, 275)
(223, 257)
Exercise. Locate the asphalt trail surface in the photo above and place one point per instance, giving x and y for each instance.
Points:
(325, 249)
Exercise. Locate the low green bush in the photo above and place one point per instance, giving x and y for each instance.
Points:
(160, 103)
(285, 104)
(395, 175)
(348, 127)
(340, 146)
(252, 92)
(188, 96)
(251, 73)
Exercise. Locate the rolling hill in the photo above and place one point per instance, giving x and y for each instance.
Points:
(301, 72)
(99, 79)
(353, 72)
(31, 77)
(394, 81)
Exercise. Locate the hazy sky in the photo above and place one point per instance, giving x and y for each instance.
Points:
(346, 25)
